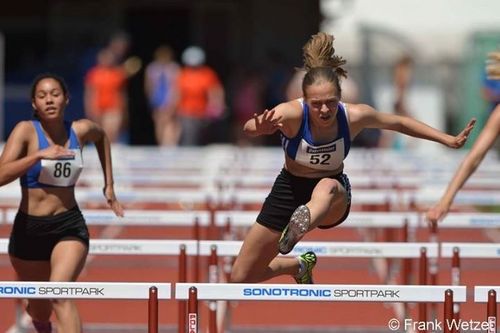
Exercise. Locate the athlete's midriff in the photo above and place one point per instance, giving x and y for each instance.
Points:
(302, 171)
(47, 201)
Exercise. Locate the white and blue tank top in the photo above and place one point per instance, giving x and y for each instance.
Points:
(54, 173)
(319, 156)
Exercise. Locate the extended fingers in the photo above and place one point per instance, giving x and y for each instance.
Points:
(470, 125)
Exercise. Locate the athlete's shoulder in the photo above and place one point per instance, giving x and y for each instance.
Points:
(358, 111)
(24, 127)
(291, 109)
(83, 127)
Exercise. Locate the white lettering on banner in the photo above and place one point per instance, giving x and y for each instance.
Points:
(354, 293)
(115, 248)
(71, 291)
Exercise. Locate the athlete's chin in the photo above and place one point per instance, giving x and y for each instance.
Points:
(325, 122)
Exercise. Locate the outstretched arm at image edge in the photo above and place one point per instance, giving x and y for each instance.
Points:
(470, 163)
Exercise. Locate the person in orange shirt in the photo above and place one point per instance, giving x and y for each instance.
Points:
(105, 94)
(201, 96)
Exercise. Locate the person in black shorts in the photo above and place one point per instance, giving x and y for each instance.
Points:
(312, 189)
(49, 239)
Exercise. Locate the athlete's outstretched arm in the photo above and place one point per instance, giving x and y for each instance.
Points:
(364, 116)
(470, 163)
(270, 121)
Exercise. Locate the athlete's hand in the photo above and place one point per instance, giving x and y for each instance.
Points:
(113, 203)
(55, 152)
(267, 123)
(459, 140)
(437, 213)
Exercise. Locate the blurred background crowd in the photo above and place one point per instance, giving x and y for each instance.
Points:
(172, 72)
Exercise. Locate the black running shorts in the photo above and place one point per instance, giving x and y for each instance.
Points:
(34, 237)
(288, 193)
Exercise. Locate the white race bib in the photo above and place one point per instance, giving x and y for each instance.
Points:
(325, 157)
(62, 172)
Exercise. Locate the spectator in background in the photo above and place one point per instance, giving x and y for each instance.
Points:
(119, 45)
(491, 85)
(247, 99)
(160, 85)
(402, 75)
(105, 94)
(201, 96)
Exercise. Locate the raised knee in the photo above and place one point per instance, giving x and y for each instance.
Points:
(327, 186)
(238, 276)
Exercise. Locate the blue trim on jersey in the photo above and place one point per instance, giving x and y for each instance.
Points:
(291, 145)
(30, 178)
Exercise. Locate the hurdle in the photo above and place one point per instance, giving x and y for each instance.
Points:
(323, 293)
(458, 220)
(180, 248)
(405, 222)
(152, 291)
(458, 251)
(422, 251)
(491, 296)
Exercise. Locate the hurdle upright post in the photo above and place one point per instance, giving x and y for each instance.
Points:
(213, 277)
(492, 311)
(193, 310)
(196, 257)
(455, 278)
(153, 310)
(406, 262)
(433, 265)
(182, 278)
(228, 260)
(422, 306)
(448, 312)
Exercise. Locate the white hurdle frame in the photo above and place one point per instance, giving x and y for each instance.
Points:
(458, 251)
(181, 248)
(286, 292)
(152, 291)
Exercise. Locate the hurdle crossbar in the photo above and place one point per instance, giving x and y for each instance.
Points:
(471, 250)
(468, 220)
(319, 292)
(481, 293)
(82, 290)
(132, 246)
(335, 249)
(355, 219)
(136, 217)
